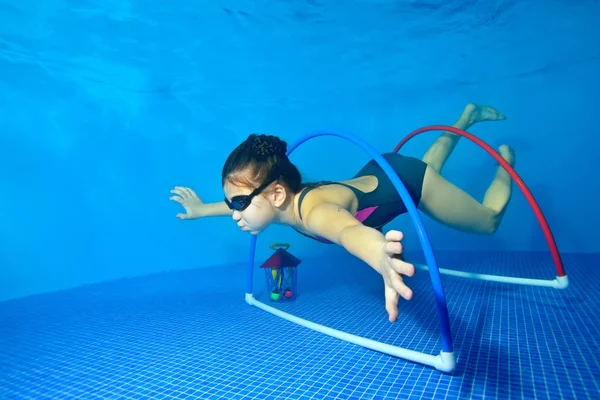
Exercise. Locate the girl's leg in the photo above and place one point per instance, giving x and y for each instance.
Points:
(446, 203)
(438, 153)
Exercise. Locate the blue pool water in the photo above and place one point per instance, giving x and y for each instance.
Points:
(190, 334)
(107, 105)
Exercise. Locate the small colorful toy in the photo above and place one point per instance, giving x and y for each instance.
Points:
(281, 273)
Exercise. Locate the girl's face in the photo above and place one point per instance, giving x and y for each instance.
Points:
(257, 216)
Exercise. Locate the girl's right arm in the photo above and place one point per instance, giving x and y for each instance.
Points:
(194, 207)
(219, 209)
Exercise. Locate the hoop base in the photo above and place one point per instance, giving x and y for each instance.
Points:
(444, 362)
(560, 282)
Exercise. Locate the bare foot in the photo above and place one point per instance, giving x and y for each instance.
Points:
(508, 153)
(474, 113)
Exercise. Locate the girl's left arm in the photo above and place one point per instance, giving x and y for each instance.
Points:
(335, 223)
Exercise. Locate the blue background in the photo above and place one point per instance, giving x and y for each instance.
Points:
(106, 105)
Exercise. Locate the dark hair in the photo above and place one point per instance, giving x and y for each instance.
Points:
(255, 159)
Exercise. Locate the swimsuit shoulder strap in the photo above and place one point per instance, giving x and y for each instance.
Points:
(308, 188)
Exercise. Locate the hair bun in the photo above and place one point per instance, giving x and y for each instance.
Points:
(268, 145)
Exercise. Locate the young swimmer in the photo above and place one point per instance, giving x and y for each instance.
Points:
(262, 187)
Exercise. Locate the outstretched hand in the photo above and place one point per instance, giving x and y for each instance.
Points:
(392, 269)
(190, 202)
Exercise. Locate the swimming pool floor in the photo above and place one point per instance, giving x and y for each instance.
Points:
(190, 334)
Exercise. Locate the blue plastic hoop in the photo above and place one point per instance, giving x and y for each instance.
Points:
(434, 272)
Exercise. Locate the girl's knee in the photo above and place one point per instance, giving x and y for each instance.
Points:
(492, 223)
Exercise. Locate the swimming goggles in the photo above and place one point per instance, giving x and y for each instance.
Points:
(241, 202)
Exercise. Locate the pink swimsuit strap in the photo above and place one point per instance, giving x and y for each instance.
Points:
(360, 215)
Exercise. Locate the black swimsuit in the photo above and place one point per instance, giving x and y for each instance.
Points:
(382, 205)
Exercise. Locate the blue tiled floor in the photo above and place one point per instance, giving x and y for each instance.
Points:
(191, 335)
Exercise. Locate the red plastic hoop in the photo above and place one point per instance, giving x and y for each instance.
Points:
(560, 270)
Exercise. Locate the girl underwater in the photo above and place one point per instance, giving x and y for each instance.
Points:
(262, 187)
